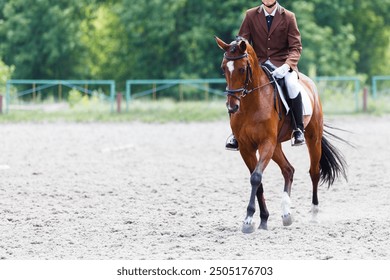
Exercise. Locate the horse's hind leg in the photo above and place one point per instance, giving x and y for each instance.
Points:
(315, 156)
(315, 149)
(288, 174)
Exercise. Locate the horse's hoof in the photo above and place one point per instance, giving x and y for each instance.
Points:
(248, 228)
(263, 225)
(287, 220)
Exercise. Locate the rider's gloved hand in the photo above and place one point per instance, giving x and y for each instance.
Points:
(281, 71)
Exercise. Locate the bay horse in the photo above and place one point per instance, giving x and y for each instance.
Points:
(260, 126)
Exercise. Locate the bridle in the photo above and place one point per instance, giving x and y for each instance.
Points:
(244, 90)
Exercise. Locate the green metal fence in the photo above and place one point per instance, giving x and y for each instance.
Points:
(354, 87)
(339, 91)
(375, 80)
(159, 85)
(346, 89)
(39, 85)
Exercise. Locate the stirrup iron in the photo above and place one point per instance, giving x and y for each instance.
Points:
(231, 143)
(293, 140)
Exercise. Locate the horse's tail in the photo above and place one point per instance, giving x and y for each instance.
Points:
(332, 162)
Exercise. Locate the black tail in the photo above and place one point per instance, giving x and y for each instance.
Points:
(332, 162)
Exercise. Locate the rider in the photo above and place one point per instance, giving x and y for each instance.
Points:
(273, 32)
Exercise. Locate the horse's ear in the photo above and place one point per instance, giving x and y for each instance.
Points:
(221, 43)
(242, 46)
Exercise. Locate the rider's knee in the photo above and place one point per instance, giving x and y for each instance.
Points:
(291, 80)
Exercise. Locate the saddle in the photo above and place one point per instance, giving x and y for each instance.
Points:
(280, 86)
(268, 68)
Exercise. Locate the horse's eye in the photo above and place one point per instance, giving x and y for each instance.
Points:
(242, 70)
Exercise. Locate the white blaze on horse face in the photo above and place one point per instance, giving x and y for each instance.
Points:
(230, 66)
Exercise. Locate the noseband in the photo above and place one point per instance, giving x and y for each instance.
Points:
(244, 91)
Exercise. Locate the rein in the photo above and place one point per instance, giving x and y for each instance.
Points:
(244, 91)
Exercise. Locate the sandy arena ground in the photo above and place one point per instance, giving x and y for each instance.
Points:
(171, 191)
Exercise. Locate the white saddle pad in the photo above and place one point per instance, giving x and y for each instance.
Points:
(306, 108)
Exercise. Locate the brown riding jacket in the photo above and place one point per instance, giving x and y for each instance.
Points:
(282, 44)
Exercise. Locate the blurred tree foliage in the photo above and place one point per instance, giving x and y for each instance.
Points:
(156, 39)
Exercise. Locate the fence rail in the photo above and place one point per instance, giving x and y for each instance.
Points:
(158, 85)
(349, 87)
(43, 84)
(375, 80)
(355, 80)
(164, 84)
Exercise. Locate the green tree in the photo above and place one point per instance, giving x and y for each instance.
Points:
(132, 39)
(42, 38)
(103, 38)
(5, 74)
(327, 50)
(358, 35)
(371, 24)
(198, 22)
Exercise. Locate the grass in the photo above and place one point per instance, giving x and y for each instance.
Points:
(144, 111)
(162, 111)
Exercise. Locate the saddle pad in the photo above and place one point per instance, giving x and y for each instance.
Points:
(306, 108)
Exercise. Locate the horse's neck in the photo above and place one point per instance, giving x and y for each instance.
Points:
(257, 106)
(261, 78)
(259, 83)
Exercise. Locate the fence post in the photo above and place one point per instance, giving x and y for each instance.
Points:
(60, 91)
(374, 87)
(34, 95)
(181, 97)
(206, 94)
(154, 92)
(118, 102)
(365, 93)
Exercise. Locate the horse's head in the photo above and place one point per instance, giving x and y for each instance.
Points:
(236, 68)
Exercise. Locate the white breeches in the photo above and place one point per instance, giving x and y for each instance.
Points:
(291, 80)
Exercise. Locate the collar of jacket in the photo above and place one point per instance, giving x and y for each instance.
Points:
(279, 9)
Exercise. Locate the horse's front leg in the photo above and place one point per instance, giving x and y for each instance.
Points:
(265, 154)
(249, 225)
(263, 208)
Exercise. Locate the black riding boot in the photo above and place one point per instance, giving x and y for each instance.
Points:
(297, 121)
(231, 143)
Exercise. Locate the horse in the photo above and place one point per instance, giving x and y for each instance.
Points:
(260, 125)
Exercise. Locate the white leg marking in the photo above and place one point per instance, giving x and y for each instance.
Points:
(230, 66)
(314, 212)
(286, 202)
(248, 220)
